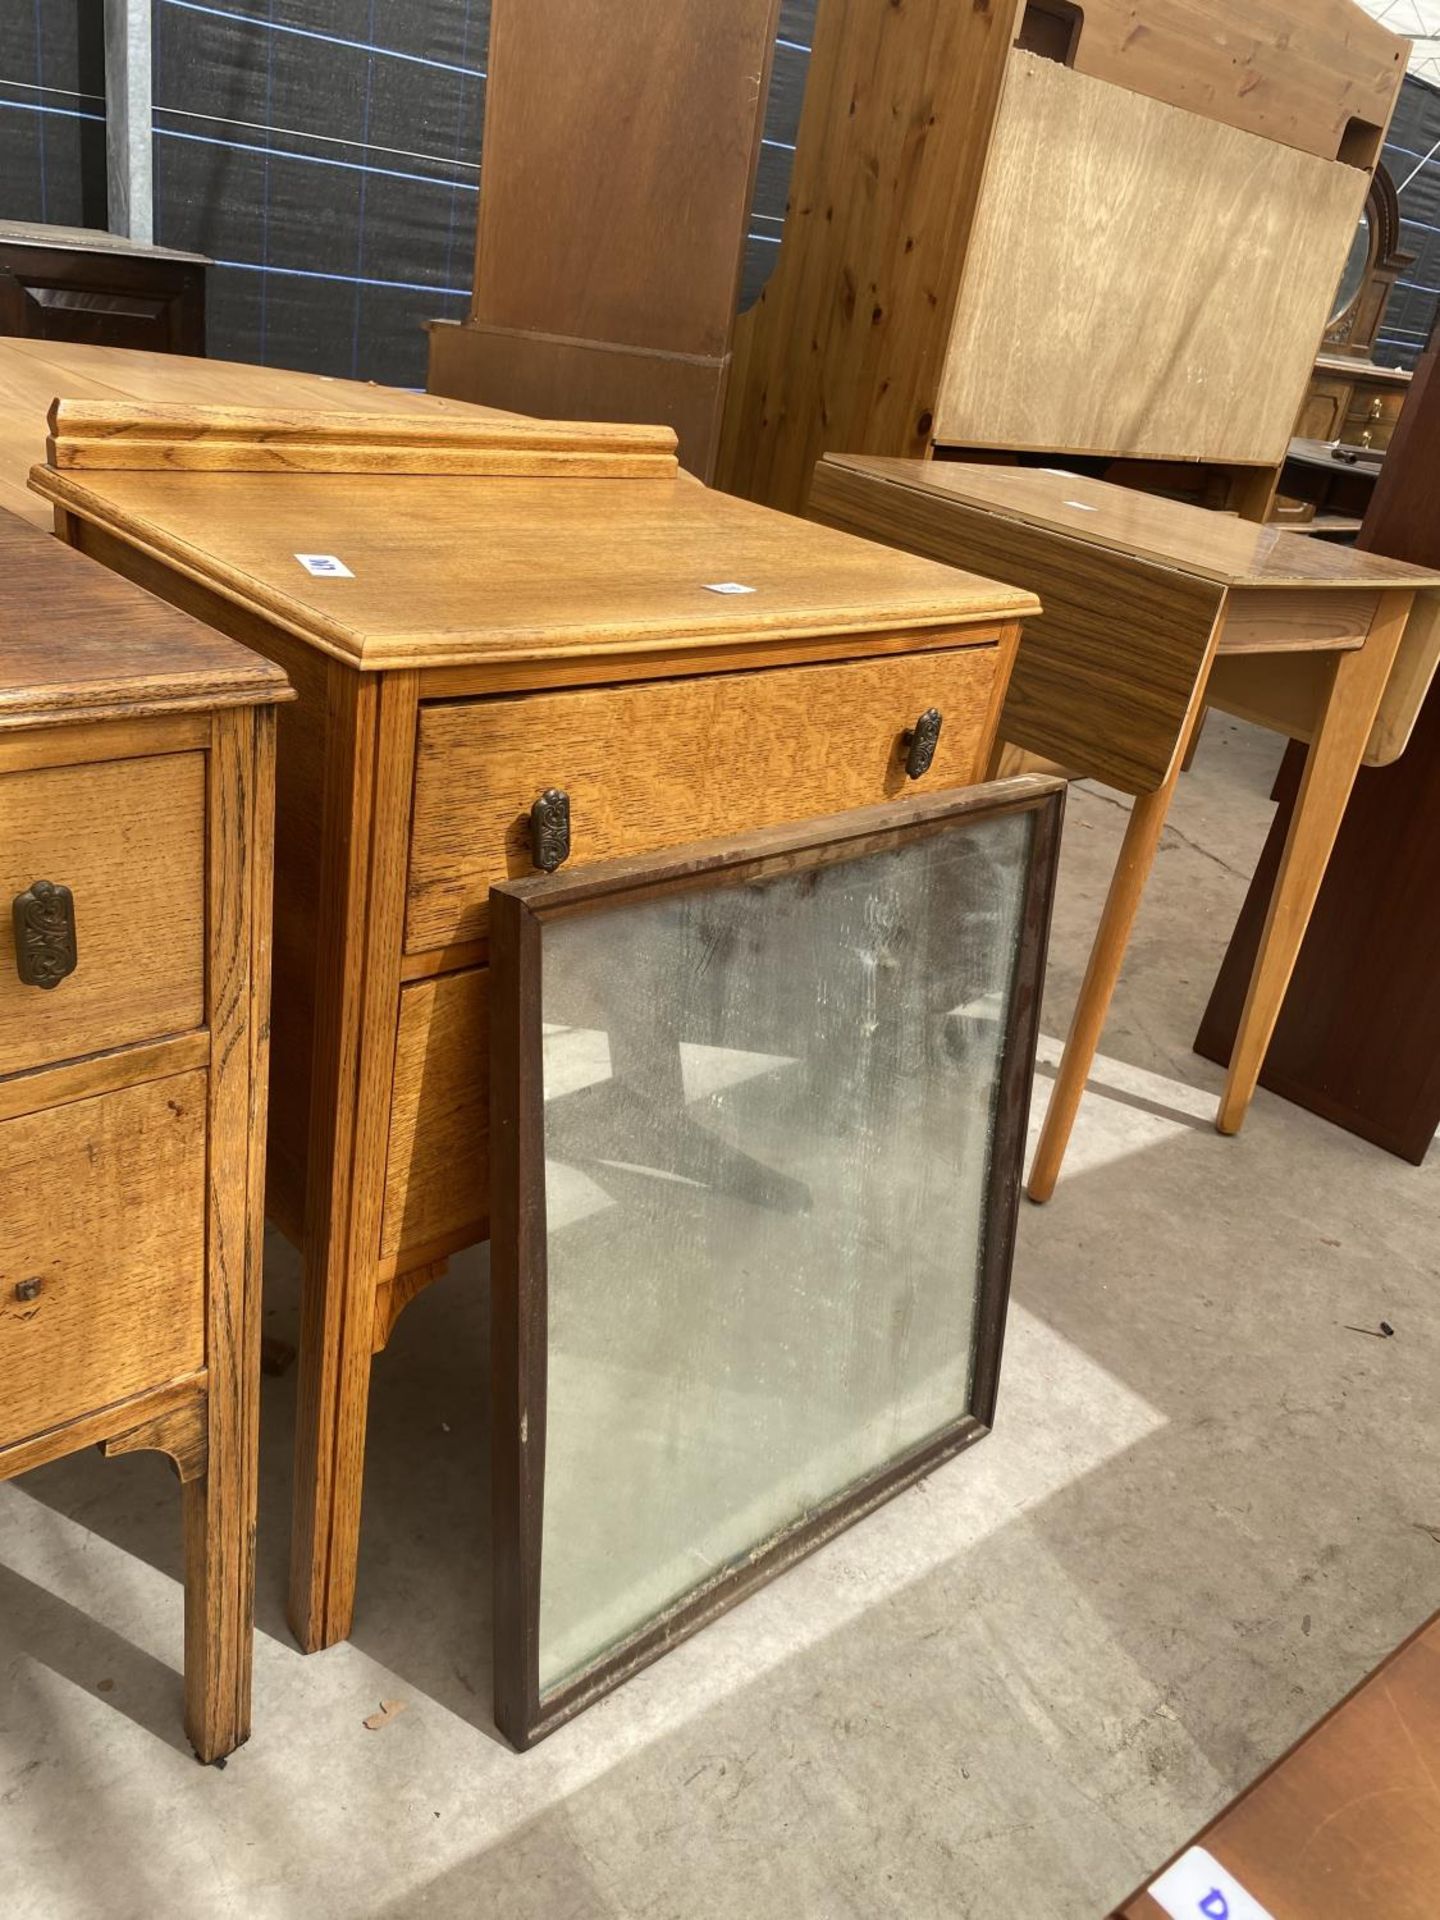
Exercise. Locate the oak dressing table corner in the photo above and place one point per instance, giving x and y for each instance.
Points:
(136, 815)
(519, 641)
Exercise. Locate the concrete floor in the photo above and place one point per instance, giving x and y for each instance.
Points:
(1208, 1509)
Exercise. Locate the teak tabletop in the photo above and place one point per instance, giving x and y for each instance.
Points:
(1346, 1826)
(1152, 611)
(514, 642)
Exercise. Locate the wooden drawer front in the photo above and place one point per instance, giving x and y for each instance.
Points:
(102, 1202)
(666, 762)
(128, 839)
(438, 1169)
(1375, 414)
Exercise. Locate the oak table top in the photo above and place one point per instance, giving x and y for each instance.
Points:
(453, 571)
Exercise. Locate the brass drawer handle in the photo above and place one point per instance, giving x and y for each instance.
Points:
(29, 1289)
(550, 830)
(45, 950)
(921, 741)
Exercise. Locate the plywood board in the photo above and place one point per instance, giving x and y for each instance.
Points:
(1141, 281)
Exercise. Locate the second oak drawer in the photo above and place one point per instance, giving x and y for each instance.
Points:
(102, 1273)
(671, 761)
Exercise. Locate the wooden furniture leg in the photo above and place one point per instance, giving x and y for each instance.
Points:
(366, 832)
(1122, 902)
(1331, 766)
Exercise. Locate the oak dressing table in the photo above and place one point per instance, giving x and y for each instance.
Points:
(514, 641)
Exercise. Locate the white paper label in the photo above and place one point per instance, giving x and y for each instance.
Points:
(729, 586)
(325, 564)
(1197, 1887)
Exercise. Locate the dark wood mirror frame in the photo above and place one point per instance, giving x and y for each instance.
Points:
(519, 1304)
(1354, 329)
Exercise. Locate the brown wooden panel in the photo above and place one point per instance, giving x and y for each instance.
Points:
(1294, 72)
(661, 764)
(128, 839)
(1295, 620)
(1347, 1824)
(437, 1171)
(566, 379)
(1075, 329)
(620, 148)
(1103, 678)
(104, 1205)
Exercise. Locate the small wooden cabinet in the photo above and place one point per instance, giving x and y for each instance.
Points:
(136, 802)
(100, 289)
(479, 616)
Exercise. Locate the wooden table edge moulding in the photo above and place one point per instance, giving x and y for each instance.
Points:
(1115, 692)
(825, 607)
(104, 692)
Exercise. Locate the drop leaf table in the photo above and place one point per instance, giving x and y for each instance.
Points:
(1154, 609)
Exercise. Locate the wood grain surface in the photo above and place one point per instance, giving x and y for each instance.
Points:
(1104, 677)
(846, 345)
(601, 204)
(1347, 1824)
(461, 571)
(220, 1505)
(664, 764)
(1297, 74)
(128, 839)
(33, 373)
(565, 379)
(105, 1206)
(106, 436)
(102, 650)
(437, 1189)
(1212, 546)
(1209, 352)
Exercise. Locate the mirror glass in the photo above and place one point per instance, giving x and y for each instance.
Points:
(769, 1114)
(1358, 260)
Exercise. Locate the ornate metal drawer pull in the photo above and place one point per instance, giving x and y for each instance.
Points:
(45, 950)
(29, 1289)
(550, 830)
(921, 741)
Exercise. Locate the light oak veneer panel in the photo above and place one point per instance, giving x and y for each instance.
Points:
(437, 1175)
(128, 838)
(1106, 310)
(105, 1205)
(664, 763)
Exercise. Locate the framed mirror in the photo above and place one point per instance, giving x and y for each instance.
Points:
(758, 1116)
(1375, 262)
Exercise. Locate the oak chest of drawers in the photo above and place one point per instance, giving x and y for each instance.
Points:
(480, 618)
(136, 804)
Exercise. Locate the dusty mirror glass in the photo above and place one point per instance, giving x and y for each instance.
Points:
(769, 1112)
